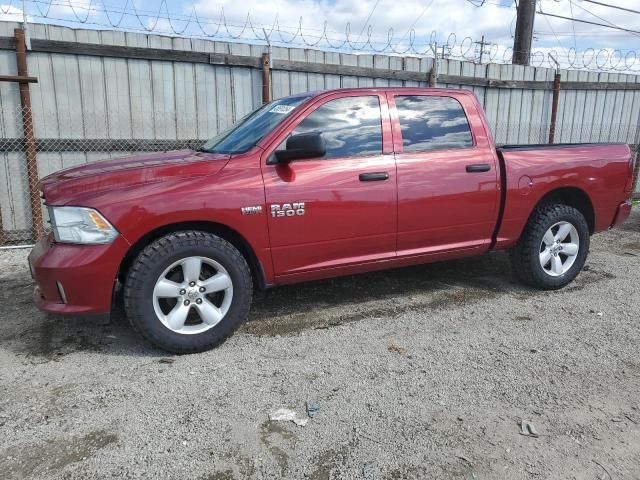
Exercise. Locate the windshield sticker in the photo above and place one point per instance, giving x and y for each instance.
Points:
(282, 109)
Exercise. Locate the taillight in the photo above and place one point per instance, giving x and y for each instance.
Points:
(633, 174)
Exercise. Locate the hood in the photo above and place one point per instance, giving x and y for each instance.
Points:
(63, 186)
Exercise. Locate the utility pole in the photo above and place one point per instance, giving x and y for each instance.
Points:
(482, 44)
(524, 32)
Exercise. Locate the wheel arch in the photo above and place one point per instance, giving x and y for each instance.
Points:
(219, 229)
(574, 197)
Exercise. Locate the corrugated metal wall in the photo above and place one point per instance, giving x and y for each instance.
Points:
(90, 97)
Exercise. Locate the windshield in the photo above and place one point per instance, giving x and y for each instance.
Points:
(248, 131)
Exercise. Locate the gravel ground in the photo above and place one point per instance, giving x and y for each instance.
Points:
(422, 372)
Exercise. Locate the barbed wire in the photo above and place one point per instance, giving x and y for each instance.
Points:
(128, 17)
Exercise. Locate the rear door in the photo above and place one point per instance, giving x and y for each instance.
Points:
(448, 178)
(349, 196)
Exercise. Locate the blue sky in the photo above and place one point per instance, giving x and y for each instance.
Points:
(400, 21)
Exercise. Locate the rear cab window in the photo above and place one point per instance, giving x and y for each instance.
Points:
(429, 122)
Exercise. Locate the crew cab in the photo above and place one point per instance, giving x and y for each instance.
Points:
(313, 186)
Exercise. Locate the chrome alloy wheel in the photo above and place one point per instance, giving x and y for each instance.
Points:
(559, 248)
(192, 295)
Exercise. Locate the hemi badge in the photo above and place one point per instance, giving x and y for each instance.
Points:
(254, 210)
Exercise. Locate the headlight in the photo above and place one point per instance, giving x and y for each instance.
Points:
(80, 225)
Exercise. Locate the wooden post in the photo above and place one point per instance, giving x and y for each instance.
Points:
(266, 77)
(29, 138)
(554, 107)
(526, 13)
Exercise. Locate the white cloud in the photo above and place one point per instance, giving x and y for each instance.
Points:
(10, 13)
(73, 9)
(495, 22)
(557, 31)
(399, 16)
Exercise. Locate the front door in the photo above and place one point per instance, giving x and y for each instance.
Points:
(340, 209)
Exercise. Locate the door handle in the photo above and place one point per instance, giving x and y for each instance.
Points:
(478, 167)
(373, 176)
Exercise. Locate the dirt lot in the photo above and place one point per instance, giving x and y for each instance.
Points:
(422, 372)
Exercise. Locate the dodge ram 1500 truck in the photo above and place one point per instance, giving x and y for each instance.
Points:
(312, 186)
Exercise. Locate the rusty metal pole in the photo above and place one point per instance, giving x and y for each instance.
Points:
(29, 137)
(266, 77)
(554, 107)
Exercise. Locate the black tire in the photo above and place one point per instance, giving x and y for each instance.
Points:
(152, 262)
(525, 257)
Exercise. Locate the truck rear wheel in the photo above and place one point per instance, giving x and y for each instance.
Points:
(553, 247)
(188, 291)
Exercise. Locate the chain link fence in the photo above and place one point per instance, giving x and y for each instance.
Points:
(24, 161)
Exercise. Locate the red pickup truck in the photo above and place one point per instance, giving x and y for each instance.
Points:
(312, 186)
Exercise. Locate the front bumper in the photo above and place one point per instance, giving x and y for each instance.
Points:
(75, 279)
(624, 209)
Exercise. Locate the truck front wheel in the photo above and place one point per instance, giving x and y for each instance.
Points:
(553, 247)
(188, 291)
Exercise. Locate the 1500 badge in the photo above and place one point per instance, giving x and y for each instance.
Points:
(287, 209)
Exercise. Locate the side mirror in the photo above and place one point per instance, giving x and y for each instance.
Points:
(303, 145)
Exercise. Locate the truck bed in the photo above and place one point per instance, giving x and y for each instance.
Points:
(597, 170)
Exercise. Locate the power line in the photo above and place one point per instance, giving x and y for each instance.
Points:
(573, 25)
(487, 2)
(589, 22)
(583, 33)
(554, 33)
(416, 20)
(613, 6)
(367, 20)
(597, 16)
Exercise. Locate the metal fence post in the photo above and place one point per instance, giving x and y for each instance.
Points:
(29, 138)
(266, 77)
(554, 101)
(554, 108)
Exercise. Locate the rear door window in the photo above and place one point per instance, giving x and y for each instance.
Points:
(432, 123)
